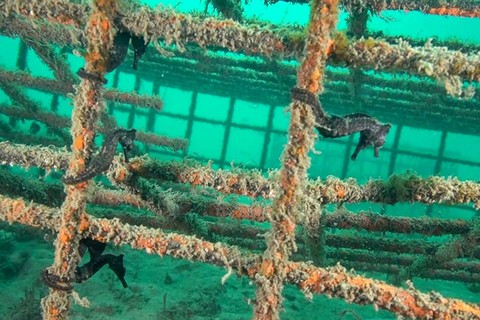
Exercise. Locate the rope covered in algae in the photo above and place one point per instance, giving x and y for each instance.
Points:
(333, 281)
(397, 188)
(295, 162)
(447, 66)
(87, 108)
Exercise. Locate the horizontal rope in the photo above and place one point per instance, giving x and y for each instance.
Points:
(333, 281)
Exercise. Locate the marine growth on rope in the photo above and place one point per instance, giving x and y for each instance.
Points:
(101, 162)
(97, 261)
(117, 55)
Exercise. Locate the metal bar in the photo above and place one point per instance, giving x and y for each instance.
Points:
(438, 163)
(267, 137)
(226, 134)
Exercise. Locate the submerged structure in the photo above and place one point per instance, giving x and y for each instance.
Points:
(290, 239)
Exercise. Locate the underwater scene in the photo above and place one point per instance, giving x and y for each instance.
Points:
(239, 159)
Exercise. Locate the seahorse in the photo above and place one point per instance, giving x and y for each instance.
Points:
(101, 162)
(372, 131)
(115, 58)
(97, 260)
(139, 47)
(85, 272)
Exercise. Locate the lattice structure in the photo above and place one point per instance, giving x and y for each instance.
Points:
(287, 199)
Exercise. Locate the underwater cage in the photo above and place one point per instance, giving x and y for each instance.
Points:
(189, 131)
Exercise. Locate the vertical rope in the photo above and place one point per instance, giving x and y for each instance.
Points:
(295, 162)
(88, 105)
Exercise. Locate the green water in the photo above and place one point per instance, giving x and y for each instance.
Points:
(165, 288)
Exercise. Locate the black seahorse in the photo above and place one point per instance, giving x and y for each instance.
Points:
(101, 162)
(139, 47)
(372, 131)
(85, 272)
(98, 260)
(117, 55)
(115, 58)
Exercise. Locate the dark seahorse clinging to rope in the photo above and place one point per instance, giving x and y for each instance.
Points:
(372, 131)
(102, 161)
(117, 55)
(82, 273)
(139, 47)
(98, 259)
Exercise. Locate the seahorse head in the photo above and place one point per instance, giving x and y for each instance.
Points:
(380, 137)
(127, 139)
